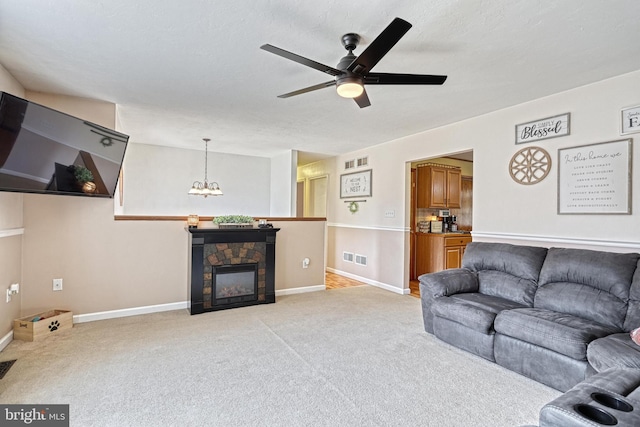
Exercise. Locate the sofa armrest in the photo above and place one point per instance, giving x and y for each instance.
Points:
(442, 284)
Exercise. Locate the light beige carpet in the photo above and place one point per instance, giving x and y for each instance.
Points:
(346, 357)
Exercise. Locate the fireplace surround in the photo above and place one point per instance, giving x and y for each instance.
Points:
(231, 268)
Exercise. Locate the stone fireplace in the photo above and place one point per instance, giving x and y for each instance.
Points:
(231, 268)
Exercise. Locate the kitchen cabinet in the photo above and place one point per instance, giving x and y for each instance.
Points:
(439, 251)
(438, 187)
(422, 254)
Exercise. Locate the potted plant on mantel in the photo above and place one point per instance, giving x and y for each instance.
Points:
(84, 178)
(234, 221)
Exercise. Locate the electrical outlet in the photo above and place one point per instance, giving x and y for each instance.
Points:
(8, 295)
(390, 214)
(57, 284)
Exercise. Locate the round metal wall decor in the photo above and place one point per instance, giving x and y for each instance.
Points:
(530, 165)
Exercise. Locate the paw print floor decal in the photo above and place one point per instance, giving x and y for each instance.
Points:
(54, 326)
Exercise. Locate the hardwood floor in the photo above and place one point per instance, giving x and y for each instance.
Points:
(336, 281)
(414, 286)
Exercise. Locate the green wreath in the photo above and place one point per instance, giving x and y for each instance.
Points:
(353, 207)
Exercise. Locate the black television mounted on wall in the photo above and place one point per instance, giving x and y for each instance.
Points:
(46, 151)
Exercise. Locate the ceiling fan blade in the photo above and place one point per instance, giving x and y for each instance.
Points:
(362, 100)
(380, 46)
(403, 79)
(301, 60)
(308, 89)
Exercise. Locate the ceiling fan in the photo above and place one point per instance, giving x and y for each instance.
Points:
(353, 72)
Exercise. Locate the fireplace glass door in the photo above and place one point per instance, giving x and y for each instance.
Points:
(234, 283)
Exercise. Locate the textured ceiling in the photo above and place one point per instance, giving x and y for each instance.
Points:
(181, 71)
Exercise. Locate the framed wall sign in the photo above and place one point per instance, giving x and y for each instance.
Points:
(551, 127)
(356, 184)
(630, 120)
(595, 178)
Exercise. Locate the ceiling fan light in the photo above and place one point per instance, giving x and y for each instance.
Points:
(350, 89)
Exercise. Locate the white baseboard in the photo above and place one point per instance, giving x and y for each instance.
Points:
(302, 290)
(371, 282)
(113, 314)
(6, 340)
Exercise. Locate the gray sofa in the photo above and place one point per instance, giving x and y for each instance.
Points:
(555, 315)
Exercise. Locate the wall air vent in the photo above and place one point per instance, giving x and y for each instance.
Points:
(347, 256)
(361, 259)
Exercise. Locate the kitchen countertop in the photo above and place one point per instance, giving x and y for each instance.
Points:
(448, 233)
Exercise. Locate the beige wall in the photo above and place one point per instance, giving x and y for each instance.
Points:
(105, 264)
(99, 112)
(112, 265)
(10, 272)
(10, 243)
(295, 241)
(9, 84)
(381, 247)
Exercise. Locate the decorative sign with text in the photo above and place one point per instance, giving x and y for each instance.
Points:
(551, 127)
(595, 178)
(356, 184)
(630, 120)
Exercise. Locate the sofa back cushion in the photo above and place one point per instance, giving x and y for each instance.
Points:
(633, 312)
(593, 285)
(506, 271)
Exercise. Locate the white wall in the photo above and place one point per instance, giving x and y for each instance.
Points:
(156, 181)
(283, 184)
(503, 210)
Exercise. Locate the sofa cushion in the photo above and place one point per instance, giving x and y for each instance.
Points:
(563, 333)
(504, 270)
(593, 285)
(613, 351)
(473, 310)
(633, 312)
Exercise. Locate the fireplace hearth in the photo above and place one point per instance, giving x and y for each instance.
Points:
(231, 268)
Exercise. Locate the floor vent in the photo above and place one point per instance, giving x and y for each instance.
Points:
(347, 256)
(5, 366)
(361, 259)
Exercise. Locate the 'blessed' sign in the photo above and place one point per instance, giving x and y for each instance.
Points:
(550, 127)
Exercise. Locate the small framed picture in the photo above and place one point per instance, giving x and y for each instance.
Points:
(356, 184)
(630, 120)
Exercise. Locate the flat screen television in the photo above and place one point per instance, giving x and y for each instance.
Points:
(46, 151)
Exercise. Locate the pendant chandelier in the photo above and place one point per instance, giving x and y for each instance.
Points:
(205, 188)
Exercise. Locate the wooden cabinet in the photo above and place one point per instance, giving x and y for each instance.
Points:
(436, 252)
(454, 247)
(438, 187)
(422, 254)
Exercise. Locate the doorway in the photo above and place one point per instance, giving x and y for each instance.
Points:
(420, 216)
(318, 197)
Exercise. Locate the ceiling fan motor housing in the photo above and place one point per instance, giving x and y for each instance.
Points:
(350, 41)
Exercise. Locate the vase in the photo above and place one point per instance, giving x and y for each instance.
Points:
(89, 187)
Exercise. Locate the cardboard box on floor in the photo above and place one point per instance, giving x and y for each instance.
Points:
(49, 322)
